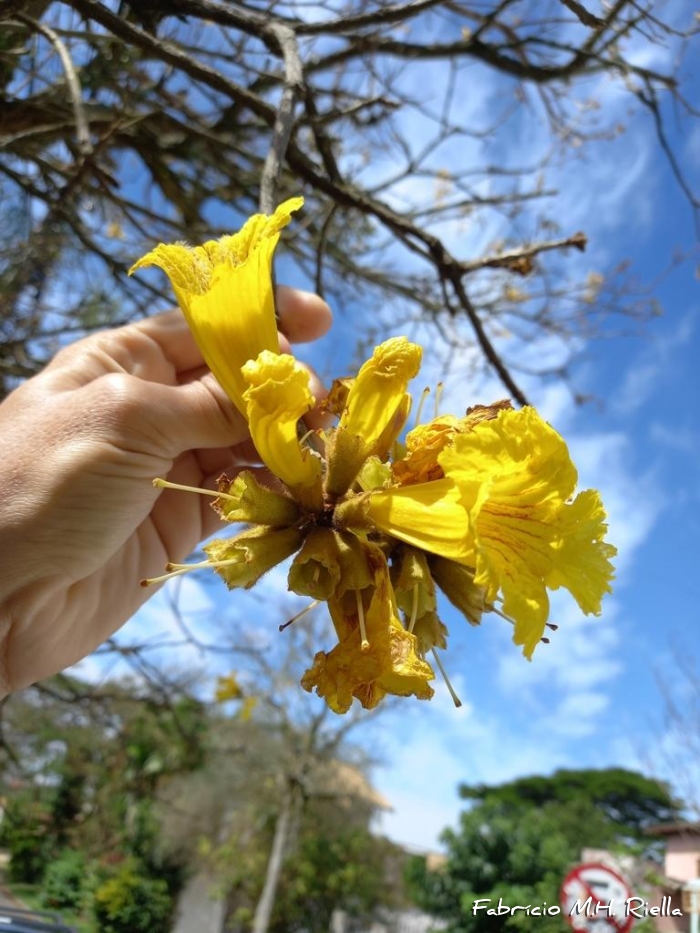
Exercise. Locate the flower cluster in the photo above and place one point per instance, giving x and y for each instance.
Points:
(481, 507)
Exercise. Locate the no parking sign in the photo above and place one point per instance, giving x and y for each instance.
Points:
(595, 899)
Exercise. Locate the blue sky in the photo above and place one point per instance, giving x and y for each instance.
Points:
(590, 698)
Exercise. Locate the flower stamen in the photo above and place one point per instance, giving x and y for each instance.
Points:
(498, 612)
(175, 570)
(455, 699)
(299, 615)
(439, 389)
(423, 398)
(364, 643)
(165, 484)
(312, 439)
(414, 610)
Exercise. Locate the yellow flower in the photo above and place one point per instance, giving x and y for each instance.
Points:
(244, 559)
(227, 688)
(502, 508)
(377, 393)
(480, 506)
(375, 409)
(226, 293)
(426, 442)
(276, 398)
(247, 708)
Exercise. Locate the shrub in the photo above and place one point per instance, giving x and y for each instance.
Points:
(131, 902)
(65, 881)
(26, 837)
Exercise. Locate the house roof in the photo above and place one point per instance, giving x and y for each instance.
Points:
(675, 829)
(346, 782)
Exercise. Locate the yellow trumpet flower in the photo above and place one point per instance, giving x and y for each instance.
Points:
(225, 291)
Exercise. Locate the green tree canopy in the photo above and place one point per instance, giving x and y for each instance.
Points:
(519, 839)
(629, 802)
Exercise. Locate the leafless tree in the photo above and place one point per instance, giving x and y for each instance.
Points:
(124, 123)
(672, 749)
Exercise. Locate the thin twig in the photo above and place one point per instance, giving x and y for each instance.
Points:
(518, 260)
(82, 131)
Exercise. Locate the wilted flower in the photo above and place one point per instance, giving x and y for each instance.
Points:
(480, 506)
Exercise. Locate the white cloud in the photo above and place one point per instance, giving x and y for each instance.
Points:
(645, 376)
(673, 438)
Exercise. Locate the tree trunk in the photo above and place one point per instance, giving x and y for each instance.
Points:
(263, 911)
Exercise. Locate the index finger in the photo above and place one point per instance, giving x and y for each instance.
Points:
(303, 316)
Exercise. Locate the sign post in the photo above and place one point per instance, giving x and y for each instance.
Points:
(691, 903)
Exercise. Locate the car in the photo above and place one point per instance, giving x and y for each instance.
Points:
(17, 920)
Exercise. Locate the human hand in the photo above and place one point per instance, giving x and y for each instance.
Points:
(80, 521)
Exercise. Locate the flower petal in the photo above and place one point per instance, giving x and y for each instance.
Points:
(521, 452)
(377, 393)
(244, 559)
(581, 558)
(432, 516)
(457, 583)
(226, 293)
(425, 442)
(376, 409)
(329, 563)
(521, 520)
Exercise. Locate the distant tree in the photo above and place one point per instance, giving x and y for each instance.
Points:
(91, 759)
(282, 785)
(332, 868)
(518, 841)
(629, 802)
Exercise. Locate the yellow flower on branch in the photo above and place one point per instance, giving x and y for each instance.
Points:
(374, 412)
(482, 506)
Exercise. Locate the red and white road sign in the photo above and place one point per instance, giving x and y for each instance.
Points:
(594, 899)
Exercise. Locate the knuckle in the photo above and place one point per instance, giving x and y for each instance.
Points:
(116, 400)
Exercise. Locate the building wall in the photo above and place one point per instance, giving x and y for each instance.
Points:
(669, 924)
(682, 857)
